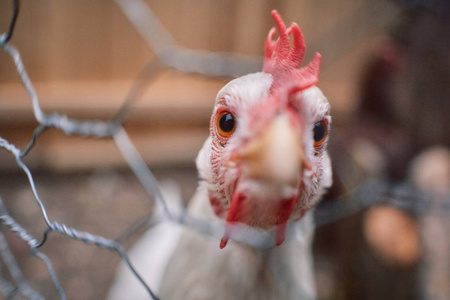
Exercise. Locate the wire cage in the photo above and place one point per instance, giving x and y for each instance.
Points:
(75, 162)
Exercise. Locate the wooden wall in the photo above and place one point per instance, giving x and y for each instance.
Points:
(83, 55)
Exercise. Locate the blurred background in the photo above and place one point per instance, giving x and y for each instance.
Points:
(385, 70)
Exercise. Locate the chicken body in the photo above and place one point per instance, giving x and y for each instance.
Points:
(180, 263)
(264, 166)
(200, 270)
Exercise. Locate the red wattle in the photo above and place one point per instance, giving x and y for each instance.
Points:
(235, 211)
(223, 242)
(232, 217)
(280, 233)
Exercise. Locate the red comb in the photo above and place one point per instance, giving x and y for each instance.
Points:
(283, 62)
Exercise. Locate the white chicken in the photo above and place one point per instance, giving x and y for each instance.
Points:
(264, 166)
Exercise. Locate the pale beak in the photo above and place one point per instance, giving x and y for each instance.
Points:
(276, 156)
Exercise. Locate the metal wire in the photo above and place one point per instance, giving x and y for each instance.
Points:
(13, 267)
(167, 55)
(6, 37)
(68, 126)
(185, 60)
(16, 273)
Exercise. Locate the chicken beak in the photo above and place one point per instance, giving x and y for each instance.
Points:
(276, 159)
(276, 156)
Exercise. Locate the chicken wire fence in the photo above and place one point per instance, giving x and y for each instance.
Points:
(167, 55)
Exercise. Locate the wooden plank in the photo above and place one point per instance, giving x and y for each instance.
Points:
(168, 125)
(171, 97)
(158, 148)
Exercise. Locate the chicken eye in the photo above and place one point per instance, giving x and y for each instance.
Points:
(320, 133)
(226, 124)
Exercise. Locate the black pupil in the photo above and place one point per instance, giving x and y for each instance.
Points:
(226, 123)
(319, 131)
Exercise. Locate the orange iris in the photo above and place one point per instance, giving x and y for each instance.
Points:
(320, 133)
(225, 124)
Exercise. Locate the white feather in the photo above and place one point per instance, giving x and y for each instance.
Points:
(183, 264)
(151, 254)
